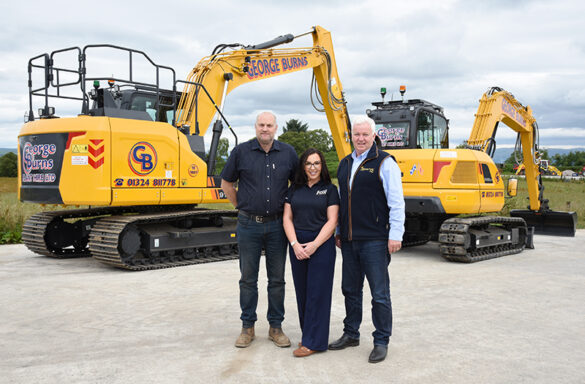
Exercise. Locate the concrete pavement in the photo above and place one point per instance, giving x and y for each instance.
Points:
(517, 319)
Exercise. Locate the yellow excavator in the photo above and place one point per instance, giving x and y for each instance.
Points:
(545, 169)
(135, 153)
(448, 191)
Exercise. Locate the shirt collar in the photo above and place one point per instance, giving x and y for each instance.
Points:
(364, 155)
(256, 145)
(319, 184)
(355, 157)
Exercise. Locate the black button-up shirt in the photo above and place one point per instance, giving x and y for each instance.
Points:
(262, 177)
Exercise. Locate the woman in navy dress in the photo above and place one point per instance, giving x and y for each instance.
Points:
(310, 217)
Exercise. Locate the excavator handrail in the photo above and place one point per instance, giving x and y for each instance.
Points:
(52, 78)
(208, 95)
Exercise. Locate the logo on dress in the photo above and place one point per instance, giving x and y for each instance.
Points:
(322, 192)
(142, 158)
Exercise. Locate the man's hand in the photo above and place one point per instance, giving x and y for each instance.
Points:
(338, 241)
(394, 246)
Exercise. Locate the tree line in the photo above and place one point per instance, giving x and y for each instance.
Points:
(574, 161)
(9, 165)
(297, 134)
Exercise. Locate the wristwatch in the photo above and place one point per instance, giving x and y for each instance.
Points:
(292, 244)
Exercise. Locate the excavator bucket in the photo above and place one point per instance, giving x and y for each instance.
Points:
(554, 223)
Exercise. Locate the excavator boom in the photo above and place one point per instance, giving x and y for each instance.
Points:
(221, 73)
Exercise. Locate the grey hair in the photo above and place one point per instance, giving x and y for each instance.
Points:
(270, 113)
(363, 119)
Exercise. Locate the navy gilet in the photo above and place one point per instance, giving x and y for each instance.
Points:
(364, 211)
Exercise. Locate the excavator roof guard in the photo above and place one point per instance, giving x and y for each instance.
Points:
(407, 104)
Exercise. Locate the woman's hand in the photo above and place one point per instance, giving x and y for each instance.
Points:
(310, 248)
(300, 252)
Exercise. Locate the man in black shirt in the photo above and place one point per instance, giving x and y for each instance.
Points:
(262, 167)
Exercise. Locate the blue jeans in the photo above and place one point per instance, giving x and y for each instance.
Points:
(252, 237)
(369, 258)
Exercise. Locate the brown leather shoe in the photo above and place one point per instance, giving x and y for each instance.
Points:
(245, 338)
(303, 352)
(278, 337)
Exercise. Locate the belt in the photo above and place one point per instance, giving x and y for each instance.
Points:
(261, 219)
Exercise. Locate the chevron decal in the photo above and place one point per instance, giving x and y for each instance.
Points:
(95, 164)
(96, 151)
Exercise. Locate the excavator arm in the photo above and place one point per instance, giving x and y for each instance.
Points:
(499, 105)
(215, 76)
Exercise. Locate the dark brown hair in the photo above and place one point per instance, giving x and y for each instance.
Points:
(301, 176)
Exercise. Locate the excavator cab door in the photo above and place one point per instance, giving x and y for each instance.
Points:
(431, 131)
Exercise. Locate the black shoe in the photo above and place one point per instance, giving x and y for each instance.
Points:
(378, 353)
(344, 342)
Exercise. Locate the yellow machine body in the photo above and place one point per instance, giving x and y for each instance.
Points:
(465, 181)
(113, 161)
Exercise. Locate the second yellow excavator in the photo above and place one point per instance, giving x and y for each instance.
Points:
(545, 169)
(448, 191)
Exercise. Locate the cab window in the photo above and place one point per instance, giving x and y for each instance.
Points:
(487, 175)
(144, 103)
(431, 131)
(147, 103)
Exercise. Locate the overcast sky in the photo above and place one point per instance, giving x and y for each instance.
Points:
(448, 52)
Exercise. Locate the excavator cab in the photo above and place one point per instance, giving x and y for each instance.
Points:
(137, 102)
(409, 124)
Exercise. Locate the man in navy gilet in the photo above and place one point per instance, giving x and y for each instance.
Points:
(371, 225)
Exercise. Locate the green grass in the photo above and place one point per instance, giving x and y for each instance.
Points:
(13, 213)
(563, 196)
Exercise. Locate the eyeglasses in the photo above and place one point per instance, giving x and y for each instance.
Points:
(316, 164)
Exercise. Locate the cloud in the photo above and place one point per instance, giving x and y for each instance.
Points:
(447, 52)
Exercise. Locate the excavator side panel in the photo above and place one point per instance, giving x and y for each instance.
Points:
(65, 161)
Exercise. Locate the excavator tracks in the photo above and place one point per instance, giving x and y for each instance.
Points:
(49, 234)
(473, 239)
(118, 241)
(119, 236)
(33, 236)
(415, 239)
